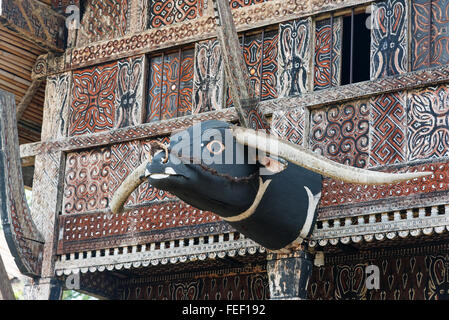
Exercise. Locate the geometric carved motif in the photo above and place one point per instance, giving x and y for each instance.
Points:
(94, 91)
(428, 123)
(86, 181)
(262, 72)
(148, 220)
(388, 123)
(430, 21)
(238, 285)
(104, 20)
(327, 69)
(340, 133)
(389, 38)
(93, 176)
(129, 95)
(209, 77)
(403, 276)
(244, 3)
(289, 125)
(170, 85)
(166, 12)
(338, 193)
(294, 57)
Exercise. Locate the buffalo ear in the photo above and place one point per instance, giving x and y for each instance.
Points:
(272, 165)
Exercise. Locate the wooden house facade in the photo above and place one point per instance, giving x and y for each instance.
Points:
(362, 82)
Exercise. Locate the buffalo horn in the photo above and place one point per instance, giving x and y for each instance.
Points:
(131, 182)
(317, 163)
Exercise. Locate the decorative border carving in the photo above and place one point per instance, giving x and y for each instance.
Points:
(152, 254)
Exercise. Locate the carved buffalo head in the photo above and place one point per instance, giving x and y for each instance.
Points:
(265, 187)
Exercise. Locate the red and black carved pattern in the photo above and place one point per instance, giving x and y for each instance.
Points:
(389, 39)
(401, 277)
(130, 73)
(93, 176)
(267, 73)
(186, 83)
(170, 86)
(388, 125)
(289, 125)
(125, 157)
(162, 217)
(92, 109)
(240, 286)
(244, 3)
(105, 19)
(428, 123)
(322, 56)
(294, 53)
(337, 193)
(209, 77)
(86, 186)
(430, 20)
(166, 12)
(340, 133)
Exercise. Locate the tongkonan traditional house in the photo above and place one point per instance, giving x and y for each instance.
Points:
(362, 82)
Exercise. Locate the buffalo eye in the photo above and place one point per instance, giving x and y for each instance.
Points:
(215, 147)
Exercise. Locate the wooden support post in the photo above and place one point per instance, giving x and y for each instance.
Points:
(6, 292)
(236, 71)
(24, 240)
(289, 274)
(26, 99)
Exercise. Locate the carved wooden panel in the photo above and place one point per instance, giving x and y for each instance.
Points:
(209, 77)
(326, 68)
(340, 132)
(427, 124)
(166, 12)
(294, 57)
(389, 38)
(429, 37)
(93, 99)
(235, 4)
(56, 106)
(418, 273)
(170, 85)
(262, 71)
(337, 193)
(236, 285)
(103, 20)
(290, 125)
(158, 222)
(388, 126)
(129, 92)
(92, 176)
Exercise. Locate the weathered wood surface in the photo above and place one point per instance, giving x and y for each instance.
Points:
(6, 292)
(23, 238)
(26, 99)
(289, 275)
(410, 80)
(34, 21)
(235, 68)
(189, 31)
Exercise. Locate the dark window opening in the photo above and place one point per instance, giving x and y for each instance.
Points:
(356, 46)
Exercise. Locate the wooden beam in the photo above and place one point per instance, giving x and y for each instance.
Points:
(231, 51)
(24, 239)
(34, 21)
(6, 292)
(26, 99)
